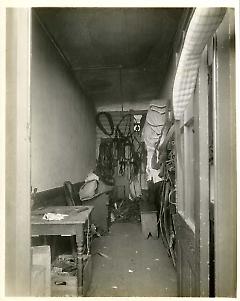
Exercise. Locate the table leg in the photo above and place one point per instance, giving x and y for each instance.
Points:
(80, 251)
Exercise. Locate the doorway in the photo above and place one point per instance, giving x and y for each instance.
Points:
(18, 202)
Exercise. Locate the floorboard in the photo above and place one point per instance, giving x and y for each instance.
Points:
(131, 265)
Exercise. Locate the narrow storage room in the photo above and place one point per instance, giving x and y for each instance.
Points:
(124, 194)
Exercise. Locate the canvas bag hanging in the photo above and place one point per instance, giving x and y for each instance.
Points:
(156, 117)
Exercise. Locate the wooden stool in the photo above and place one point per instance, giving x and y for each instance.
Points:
(148, 219)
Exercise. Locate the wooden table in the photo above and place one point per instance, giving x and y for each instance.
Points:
(73, 224)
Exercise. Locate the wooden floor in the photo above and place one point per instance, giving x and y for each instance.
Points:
(131, 265)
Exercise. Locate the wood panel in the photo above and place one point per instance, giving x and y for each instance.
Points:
(41, 257)
(179, 167)
(18, 271)
(201, 174)
(186, 269)
(192, 222)
(2, 141)
(225, 160)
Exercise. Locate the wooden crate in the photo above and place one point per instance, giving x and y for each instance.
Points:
(41, 256)
(38, 281)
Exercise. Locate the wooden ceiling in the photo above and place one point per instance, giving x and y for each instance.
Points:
(118, 55)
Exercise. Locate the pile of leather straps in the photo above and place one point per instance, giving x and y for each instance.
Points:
(123, 148)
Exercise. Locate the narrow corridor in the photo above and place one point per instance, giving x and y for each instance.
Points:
(125, 264)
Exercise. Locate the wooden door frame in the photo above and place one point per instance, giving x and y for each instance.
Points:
(18, 164)
(225, 182)
(17, 159)
(196, 113)
(2, 142)
(225, 185)
(202, 174)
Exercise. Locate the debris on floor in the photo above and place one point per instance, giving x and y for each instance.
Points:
(65, 264)
(64, 276)
(140, 282)
(125, 211)
(103, 255)
(112, 218)
(94, 231)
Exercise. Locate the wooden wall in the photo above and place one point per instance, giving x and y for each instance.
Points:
(225, 159)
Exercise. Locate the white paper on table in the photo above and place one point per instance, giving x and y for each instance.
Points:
(54, 216)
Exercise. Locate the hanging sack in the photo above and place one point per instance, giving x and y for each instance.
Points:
(163, 155)
(149, 136)
(161, 170)
(91, 176)
(157, 160)
(156, 117)
(88, 190)
(154, 161)
(161, 146)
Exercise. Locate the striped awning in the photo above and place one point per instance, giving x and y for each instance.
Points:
(203, 25)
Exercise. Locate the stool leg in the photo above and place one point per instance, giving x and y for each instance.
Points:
(73, 245)
(54, 243)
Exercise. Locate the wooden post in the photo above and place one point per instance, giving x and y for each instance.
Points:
(17, 270)
(225, 160)
(201, 194)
